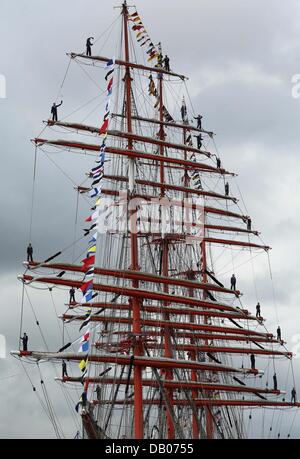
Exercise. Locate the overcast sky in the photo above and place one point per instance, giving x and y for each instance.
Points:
(240, 57)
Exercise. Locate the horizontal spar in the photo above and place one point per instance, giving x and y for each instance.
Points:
(173, 203)
(141, 361)
(183, 237)
(186, 127)
(129, 64)
(168, 186)
(237, 243)
(205, 336)
(129, 136)
(167, 325)
(132, 154)
(207, 402)
(236, 314)
(140, 276)
(181, 385)
(209, 349)
(142, 294)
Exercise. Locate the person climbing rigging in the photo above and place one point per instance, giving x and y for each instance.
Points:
(226, 189)
(54, 110)
(278, 333)
(89, 45)
(199, 121)
(72, 295)
(30, 253)
(166, 62)
(293, 395)
(258, 316)
(252, 360)
(275, 381)
(233, 282)
(24, 340)
(218, 163)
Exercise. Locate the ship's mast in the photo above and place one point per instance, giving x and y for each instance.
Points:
(172, 318)
(136, 305)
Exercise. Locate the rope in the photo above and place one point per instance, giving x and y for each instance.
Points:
(63, 81)
(22, 313)
(33, 194)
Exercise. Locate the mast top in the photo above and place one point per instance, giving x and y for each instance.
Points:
(124, 5)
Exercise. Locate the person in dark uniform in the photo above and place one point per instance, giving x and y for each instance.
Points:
(294, 395)
(30, 253)
(89, 45)
(72, 295)
(199, 121)
(258, 311)
(64, 369)
(275, 381)
(167, 63)
(54, 110)
(218, 163)
(279, 333)
(252, 360)
(199, 141)
(233, 282)
(25, 342)
(249, 224)
(226, 189)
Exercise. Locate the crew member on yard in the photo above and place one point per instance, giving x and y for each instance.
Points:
(258, 311)
(226, 189)
(89, 45)
(25, 342)
(233, 282)
(199, 121)
(54, 110)
(167, 63)
(252, 360)
(72, 295)
(30, 253)
(278, 333)
(64, 369)
(275, 381)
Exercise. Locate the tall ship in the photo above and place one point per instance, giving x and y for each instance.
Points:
(157, 339)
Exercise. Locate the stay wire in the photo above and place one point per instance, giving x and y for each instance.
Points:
(33, 193)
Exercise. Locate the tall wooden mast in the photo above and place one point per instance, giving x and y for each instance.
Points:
(136, 303)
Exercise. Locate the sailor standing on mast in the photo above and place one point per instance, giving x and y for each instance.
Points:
(89, 45)
(30, 253)
(199, 121)
(54, 110)
(24, 340)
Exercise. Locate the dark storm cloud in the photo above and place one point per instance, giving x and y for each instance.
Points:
(240, 57)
